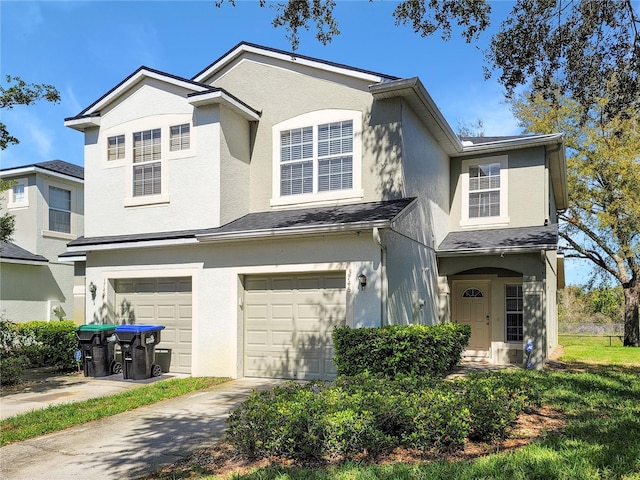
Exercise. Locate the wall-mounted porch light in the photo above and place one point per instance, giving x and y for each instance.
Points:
(362, 280)
(93, 289)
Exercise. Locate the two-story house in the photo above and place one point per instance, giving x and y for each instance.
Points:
(272, 196)
(47, 202)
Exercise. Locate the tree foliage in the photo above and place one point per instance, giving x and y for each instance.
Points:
(7, 221)
(602, 223)
(18, 92)
(555, 47)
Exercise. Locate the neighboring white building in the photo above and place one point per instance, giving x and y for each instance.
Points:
(47, 201)
(272, 196)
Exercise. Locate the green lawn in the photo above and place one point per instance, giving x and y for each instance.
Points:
(596, 350)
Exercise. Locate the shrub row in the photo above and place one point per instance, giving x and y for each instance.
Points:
(35, 344)
(371, 415)
(421, 350)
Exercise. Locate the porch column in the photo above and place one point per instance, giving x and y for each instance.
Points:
(533, 322)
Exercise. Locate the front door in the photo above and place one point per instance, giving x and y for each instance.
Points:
(472, 308)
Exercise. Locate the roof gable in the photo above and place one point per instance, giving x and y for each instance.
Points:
(245, 49)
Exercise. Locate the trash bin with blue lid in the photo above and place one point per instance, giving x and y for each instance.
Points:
(137, 343)
(97, 345)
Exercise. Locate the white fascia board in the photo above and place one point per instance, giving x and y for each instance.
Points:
(286, 58)
(24, 262)
(219, 97)
(289, 232)
(143, 73)
(74, 258)
(130, 245)
(514, 143)
(83, 123)
(33, 169)
(494, 251)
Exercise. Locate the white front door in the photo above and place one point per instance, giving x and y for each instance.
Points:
(472, 308)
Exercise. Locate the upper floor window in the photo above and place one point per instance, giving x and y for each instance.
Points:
(18, 194)
(484, 191)
(317, 160)
(115, 147)
(59, 210)
(179, 138)
(514, 313)
(147, 168)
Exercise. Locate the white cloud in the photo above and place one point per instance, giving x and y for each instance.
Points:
(70, 101)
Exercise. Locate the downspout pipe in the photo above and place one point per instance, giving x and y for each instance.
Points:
(383, 276)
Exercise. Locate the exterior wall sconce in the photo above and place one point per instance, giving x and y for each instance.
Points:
(362, 280)
(92, 290)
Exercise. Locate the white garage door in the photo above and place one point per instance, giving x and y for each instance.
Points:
(288, 324)
(160, 301)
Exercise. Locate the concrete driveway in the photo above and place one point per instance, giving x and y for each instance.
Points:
(130, 444)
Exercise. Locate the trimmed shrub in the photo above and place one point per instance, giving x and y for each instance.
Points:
(55, 343)
(415, 350)
(13, 345)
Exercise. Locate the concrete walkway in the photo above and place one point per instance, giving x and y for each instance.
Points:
(130, 444)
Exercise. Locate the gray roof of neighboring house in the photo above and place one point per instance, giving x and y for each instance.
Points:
(545, 237)
(11, 251)
(268, 221)
(57, 166)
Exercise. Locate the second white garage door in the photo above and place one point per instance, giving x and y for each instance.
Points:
(160, 301)
(288, 324)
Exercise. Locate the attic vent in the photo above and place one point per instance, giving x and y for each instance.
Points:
(472, 293)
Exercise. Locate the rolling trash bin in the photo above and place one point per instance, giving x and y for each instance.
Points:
(97, 344)
(163, 358)
(138, 343)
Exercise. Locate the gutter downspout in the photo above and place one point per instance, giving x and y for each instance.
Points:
(384, 290)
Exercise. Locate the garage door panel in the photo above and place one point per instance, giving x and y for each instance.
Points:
(160, 301)
(298, 322)
(257, 338)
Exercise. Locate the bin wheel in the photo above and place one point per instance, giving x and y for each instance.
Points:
(116, 368)
(156, 370)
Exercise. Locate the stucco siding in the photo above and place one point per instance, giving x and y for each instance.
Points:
(216, 269)
(308, 94)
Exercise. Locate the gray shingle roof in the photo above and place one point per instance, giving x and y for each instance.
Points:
(57, 166)
(319, 216)
(268, 221)
(501, 239)
(11, 251)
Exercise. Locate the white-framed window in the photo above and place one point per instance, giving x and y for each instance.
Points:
(317, 157)
(485, 191)
(514, 313)
(115, 147)
(179, 137)
(147, 165)
(59, 210)
(18, 195)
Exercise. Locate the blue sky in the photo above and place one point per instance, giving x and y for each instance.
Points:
(85, 48)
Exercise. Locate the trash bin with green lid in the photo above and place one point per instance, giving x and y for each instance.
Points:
(137, 343)
(97, 345)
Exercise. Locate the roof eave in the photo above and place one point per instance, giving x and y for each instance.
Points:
(412, 90)
(22, 261)
(14, 172)
(223, 98)
(257, 234)
(496, 250)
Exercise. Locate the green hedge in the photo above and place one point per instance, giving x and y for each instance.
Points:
(55, 344)
(371, 415)
(421, 350)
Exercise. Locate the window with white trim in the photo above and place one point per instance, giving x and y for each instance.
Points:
(485, 191)
(317, 158)
(18, 194)
(179, 137)
(59, 210)
(115, 147)
(147, 168)
(514, 313)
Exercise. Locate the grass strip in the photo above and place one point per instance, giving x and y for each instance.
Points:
(58, 417)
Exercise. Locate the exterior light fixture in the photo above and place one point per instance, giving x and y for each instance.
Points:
(362, 280)
(92, 290)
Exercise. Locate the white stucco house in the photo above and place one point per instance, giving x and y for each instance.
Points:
(254, 206)
(46, 201)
